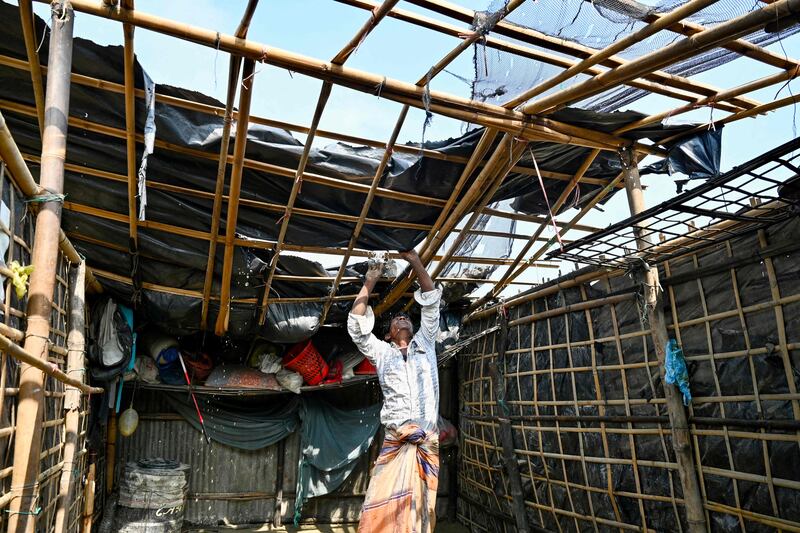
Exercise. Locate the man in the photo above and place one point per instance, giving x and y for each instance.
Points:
(402, 493)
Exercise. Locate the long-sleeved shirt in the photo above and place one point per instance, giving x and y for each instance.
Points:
(410, 386)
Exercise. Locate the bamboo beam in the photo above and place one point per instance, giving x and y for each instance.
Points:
(443, 103)
(662, 22)
(387, 153)
(658, 82)
(245, 97)
(755, 85)
(257, 204)
(29, 35)
(76, 346)
(513, 154)
(692, 45)
(96, 83)
(30, 399)
(681, 437)
(130, 144)
(325, 92)
(233, 78)
(764, 108)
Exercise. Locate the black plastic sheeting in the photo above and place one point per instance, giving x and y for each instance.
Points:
(734, 377)
(176, 261)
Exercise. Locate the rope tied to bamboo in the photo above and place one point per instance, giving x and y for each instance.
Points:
(646, 293)
(47, 197)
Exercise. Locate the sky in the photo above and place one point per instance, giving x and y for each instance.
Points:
(319, 28)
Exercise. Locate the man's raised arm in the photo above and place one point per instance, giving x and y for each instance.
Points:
(427, 297)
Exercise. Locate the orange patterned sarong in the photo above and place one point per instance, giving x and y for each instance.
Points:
(401, 497)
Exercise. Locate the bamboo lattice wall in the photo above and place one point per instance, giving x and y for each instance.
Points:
(585, 398)
(20, 232)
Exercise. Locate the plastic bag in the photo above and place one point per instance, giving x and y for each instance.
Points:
(289, 380)
(290, 323)
(448, 434)
(146, 370)
(270, 363)
(107, 337)
(675, 371)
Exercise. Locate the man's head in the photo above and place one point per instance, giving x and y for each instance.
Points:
(400, 326)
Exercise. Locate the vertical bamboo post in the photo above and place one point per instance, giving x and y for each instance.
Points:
(88, 495)
(24, 478)
(679, 425)
(506, 434)
(111, 450)
(240, 143)
(76, 344)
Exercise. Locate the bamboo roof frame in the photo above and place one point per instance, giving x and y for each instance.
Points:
(516, 125)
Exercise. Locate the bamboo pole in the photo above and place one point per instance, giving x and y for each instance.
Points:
(130, 123)
(506, 433)
(682, 49)
(759, 110)
(443, 103)
(30, 404)
(659, 82)
(111, 451)
(322, 101)
(245, 97)
(662, 22)
(88, 495)
(29, 35)
(76, 345)
(27, 358)
(233, 78)
(681, 438)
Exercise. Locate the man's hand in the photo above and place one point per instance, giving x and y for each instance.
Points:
(425, 281)
(411, 256)
(374, 271)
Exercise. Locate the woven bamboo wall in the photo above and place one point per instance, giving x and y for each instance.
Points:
(20, 232)
(584, 394)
